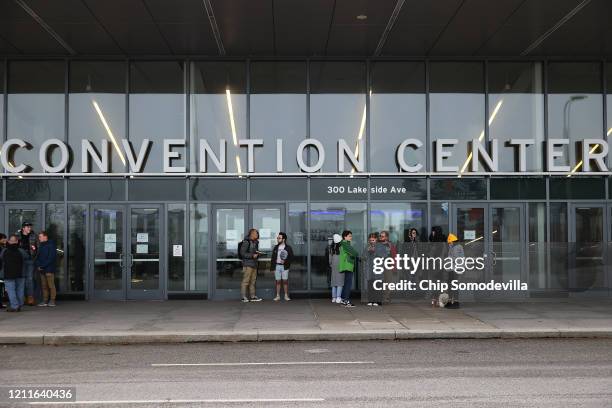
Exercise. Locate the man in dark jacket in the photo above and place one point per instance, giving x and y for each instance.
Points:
(45, 265)
(27, 242)
(13, 261)
(249, 252)
(280, 262)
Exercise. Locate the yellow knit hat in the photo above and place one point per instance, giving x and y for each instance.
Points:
(451, 238)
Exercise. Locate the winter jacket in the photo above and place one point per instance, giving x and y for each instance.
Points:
(348, 256)
(13, 261)
(455, 251)
(337, 278)
(274, 256)
(248, 248)
(47, 257)
(26, 242)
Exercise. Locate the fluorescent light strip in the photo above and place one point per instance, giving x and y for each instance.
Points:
(493, 115)
(361, 130)
(108, 131)
(230, 109)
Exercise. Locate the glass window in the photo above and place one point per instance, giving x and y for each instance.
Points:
(559, 248)
(458, 189)
(337, 109)
(575, 106)
(397, 112)
(439, 216)
(394, 188)
(97, 110)
(96, 189)
(2, 99)
(516, 111)
(218, 112)
(157, 109)
(198, 249)
(176, 239)
(35, 107)
(54, 225)
(34, 190)
(327, 219)
(278, 111)
(609, 109)
(456, 108)
(218, 189)
(538, 273)
(279, 189)
(518, 188)
(77, 231)
(296, 237)
(157, 189)
(577, 188)
(398, 219)
(341, 189)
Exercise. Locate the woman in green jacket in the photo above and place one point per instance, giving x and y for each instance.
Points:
(348, 258)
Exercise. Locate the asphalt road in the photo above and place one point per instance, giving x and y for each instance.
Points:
(429, 373)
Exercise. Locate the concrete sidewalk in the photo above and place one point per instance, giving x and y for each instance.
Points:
(77, 322)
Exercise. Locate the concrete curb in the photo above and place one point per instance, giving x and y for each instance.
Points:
(59, 339)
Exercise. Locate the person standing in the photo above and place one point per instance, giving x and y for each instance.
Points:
(455, 251)
(372, 295)
(248, 251)
(46, 267)
(337, 278)
(437, 250)
(27, 242)
(13, 261)
(348, 258)
(2, 249)
(280, 262)
(386, 249)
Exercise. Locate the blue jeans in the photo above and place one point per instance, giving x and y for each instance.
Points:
(336, 292)
(348, 285)
(14, 288)
(28, 274)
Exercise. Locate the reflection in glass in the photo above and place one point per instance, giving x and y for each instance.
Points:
(589, 270)
(176, 240)
(35, 107)
(278, 111)
(575, 106)
(506, 243)
(108, 249)
(559, 248)
(397, 112)
(77, 229)
(337, 109)
(157, 110)
(268, 222)
(516, 92)
(327, 219)
(230, 230)
(97, 110)
(198, 250)
(218, 112)
(17, 216)
(297, 237)
(54, 225)
(457, 108)
(145, 249)
(398, 219)
(539, 274)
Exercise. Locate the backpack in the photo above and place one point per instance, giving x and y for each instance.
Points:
(240, 247)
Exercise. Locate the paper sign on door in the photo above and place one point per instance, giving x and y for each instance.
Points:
(110, 237)
(177, 250)
(110, 247)
(142, 237)
(469, 234)
(142, 248)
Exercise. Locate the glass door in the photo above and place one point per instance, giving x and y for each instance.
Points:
(231, 225)
(470, 223)
(107, 269)
(145, 257)
(587, 271)
(508, 238)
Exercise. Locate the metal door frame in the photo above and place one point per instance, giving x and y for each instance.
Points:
(38, 224)
(125, 293)
(234, 294)
(572, 241)
(138, 294)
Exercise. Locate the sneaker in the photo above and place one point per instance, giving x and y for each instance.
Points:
(348, 304)
(375, 304)
(245, 300)
(255, 299)
(287, 298)
(10, 309)
(370, 304)
(333, 300)
(42, 304)
(277, 298)
(51, 304)
(338, 300)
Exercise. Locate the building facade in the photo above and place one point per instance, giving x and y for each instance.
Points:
(156, 222)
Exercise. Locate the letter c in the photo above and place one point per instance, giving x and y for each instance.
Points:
(7, 148)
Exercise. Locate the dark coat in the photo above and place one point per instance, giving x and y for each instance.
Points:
(246, 251)
(287, 263)
(12, 262)
(47, 257)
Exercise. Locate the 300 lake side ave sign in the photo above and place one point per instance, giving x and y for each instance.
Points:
(481, 156)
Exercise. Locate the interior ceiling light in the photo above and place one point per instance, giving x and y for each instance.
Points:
(362, 17)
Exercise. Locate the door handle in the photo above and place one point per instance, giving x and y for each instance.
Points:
(131, 260)
(494, 255)
(121, 260)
